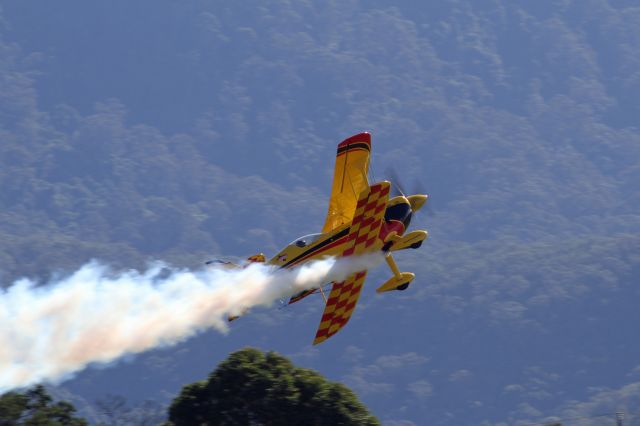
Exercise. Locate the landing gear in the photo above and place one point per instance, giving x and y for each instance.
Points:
(399, 281)
(416, 245)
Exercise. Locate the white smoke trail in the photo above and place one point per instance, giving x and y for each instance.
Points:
(95, 316)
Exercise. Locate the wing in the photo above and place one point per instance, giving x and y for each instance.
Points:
(340, 305)
(349, 179)
(367, 219)
(364, 232)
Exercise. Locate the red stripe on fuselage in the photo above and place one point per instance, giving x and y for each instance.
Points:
(323, 249)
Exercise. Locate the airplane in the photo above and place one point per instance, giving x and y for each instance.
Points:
(361, 219)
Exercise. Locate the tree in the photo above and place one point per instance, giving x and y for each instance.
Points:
(253, 388)
(36, 408)
(116, 411)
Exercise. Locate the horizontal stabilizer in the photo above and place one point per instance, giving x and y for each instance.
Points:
(223, 264)
(257, 258)
(299, 296)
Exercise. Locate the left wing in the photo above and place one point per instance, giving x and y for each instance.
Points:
(340, 305)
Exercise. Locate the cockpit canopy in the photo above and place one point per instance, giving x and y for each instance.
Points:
(305, 240)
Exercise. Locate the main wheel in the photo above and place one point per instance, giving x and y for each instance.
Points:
(403, 287)
(416, 245)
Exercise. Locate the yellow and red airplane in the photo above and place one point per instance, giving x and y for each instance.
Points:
(361, 219)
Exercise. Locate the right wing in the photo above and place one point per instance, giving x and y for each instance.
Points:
(349, 179)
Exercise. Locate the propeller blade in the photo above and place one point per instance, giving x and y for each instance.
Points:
(419, 188)
(396, 186)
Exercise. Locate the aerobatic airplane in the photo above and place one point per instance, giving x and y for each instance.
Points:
(361, 219)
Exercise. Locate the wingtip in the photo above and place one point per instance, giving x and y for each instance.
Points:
(360, 137)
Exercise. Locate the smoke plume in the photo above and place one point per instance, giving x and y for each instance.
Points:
(95, 315)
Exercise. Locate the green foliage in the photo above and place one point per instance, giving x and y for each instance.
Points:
(36, 408)
(253, 388)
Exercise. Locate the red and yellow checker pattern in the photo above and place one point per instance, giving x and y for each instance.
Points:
(367, 220)
(365, 232)
(340, 305)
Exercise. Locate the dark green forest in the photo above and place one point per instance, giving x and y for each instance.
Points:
(183, 130)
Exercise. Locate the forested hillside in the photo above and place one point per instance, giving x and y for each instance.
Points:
(180, 130)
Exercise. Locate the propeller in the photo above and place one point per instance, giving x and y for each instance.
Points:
(397, 188)
(420, 189)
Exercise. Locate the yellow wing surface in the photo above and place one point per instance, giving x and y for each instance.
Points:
(364, 233)
(349, 179)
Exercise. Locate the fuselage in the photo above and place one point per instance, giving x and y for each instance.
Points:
(316, 246)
